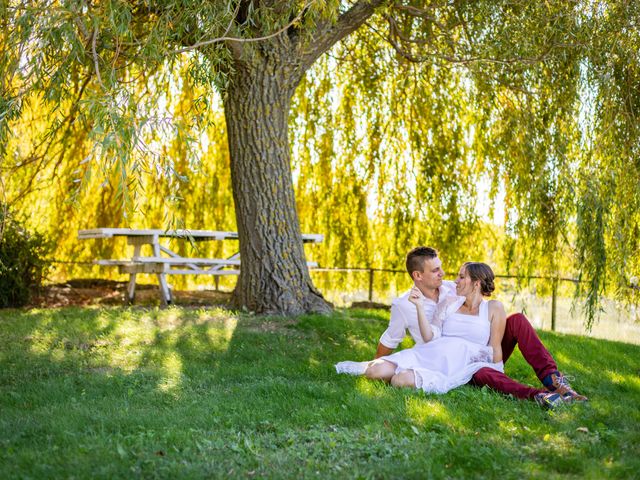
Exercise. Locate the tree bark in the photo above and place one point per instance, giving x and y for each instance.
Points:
(274, 278)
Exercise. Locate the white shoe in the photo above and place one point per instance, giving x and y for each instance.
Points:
(352, 368)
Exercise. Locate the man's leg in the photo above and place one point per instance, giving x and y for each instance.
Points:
(519, 331)
(380, 370)
(499, 382)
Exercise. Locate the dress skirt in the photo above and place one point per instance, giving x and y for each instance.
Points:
(445, 363)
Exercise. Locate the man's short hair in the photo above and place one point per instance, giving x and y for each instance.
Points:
(417, 257)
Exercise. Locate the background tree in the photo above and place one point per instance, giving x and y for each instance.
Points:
(512, 91)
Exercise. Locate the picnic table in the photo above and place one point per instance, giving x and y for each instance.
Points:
(163, 261)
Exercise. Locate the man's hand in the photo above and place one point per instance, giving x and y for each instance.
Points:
(383, 351)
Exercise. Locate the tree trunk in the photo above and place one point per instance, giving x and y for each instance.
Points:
(274, 278)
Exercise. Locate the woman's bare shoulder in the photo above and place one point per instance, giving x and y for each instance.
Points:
(496, 306)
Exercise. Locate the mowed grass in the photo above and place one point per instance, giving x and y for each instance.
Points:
(206, 393)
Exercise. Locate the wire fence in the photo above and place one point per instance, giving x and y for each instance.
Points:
(548, 301)
(370, 275)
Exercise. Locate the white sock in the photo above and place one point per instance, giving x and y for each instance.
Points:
(352, 368)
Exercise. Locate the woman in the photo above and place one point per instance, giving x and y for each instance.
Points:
(472, 329)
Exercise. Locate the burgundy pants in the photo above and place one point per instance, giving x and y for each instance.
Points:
(518, 331)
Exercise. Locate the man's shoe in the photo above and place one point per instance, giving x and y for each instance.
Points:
(558, 383)
(549, 400)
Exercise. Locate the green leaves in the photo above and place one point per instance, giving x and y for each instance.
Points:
(526, 107)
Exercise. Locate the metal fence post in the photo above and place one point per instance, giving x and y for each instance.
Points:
(371, 284)
(554, 294)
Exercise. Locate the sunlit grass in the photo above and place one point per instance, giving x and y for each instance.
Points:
(425, 412)
(172, 372)
(201, 393)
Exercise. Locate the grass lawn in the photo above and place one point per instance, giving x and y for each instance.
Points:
(201, 393)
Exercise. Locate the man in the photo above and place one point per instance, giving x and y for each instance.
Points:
(425, 269)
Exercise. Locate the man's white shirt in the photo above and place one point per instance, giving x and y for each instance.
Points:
(404, 317)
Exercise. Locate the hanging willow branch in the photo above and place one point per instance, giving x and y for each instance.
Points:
(547, 98)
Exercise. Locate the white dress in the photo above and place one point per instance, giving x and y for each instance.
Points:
(451, 360)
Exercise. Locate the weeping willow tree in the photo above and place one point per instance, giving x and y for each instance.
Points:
(417, 106)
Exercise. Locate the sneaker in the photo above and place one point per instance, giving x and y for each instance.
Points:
(352, 368)
(558, 383)
(549, 400)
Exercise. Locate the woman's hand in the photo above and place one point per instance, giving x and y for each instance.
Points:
(416, 297)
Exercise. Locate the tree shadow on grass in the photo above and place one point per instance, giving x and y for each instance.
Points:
(99, 381)
(143, 390)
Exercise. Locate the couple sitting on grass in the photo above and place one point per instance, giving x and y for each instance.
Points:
(460, 337)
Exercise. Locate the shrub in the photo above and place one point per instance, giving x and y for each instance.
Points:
(22, 261)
